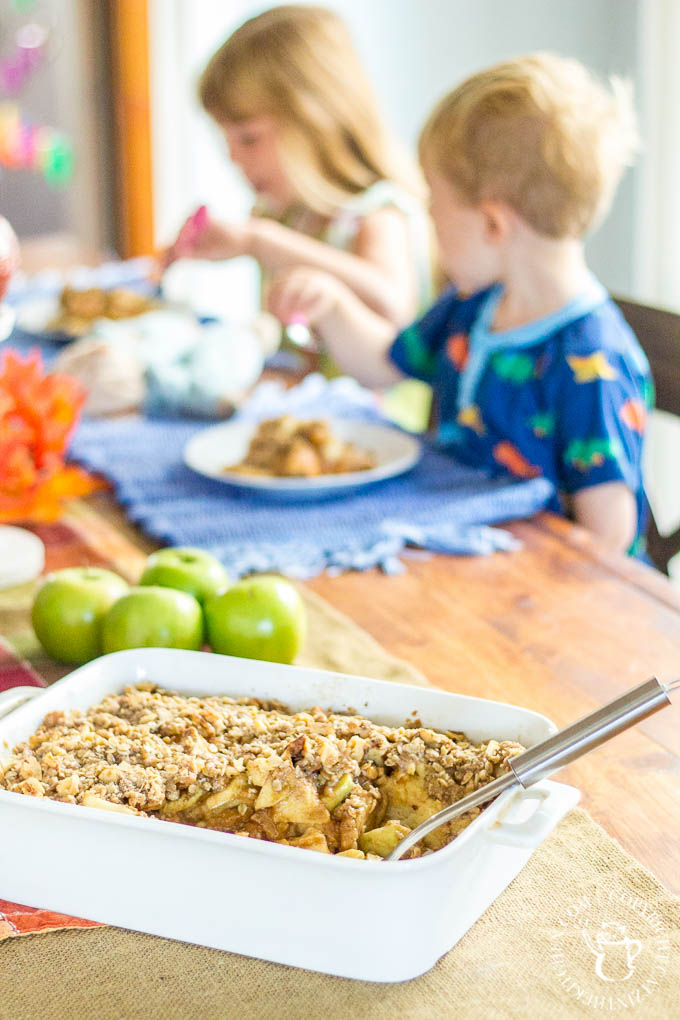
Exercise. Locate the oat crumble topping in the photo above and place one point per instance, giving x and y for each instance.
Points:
(328, 782)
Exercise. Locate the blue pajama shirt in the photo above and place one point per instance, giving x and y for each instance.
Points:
(565, 397)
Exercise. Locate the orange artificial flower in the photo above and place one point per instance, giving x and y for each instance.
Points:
(38, 414)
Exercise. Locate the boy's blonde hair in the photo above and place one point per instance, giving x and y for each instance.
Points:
(298, 64)
(539, 133)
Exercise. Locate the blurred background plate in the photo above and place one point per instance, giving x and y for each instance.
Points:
(35, 313)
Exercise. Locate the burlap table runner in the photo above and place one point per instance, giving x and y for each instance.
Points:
(583, 930)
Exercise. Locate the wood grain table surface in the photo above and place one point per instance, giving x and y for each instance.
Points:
(559, 627)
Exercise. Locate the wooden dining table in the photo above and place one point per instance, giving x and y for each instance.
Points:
(558, 626)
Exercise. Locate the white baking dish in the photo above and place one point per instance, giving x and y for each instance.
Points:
(361, 919)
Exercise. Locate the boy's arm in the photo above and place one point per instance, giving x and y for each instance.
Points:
(609, 511)
(355, 336)
(601, 391)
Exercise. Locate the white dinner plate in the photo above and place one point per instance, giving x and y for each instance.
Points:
(214, 450)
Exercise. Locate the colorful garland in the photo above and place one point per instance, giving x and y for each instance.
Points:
(31, 43)
(29, 146)
(23, 145)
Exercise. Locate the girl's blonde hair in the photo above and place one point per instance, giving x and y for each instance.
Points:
(298, 64)
(539, 133)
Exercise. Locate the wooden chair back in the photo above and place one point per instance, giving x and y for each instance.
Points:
(659, 334)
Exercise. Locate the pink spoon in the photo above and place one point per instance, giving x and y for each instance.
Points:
(188, 236)
(191, 231)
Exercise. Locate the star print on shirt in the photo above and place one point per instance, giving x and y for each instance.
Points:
(634, 414)
(515, 367)
(457, 347)
(595, 366)
(585, 454)
(543, 425)
(509, 456)
(471, 417)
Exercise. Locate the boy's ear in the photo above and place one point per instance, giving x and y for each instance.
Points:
(497, 220)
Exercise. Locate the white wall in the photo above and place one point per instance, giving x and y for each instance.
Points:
(658, 234)
(415, 51)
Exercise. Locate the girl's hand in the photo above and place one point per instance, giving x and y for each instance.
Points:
(214, 241)
(304, 294)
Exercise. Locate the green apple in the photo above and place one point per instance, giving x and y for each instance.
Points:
(187, 569)
(153, 617)
(69, 608)
(257, 618)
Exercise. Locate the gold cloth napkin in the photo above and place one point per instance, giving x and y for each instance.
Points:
(584, 930)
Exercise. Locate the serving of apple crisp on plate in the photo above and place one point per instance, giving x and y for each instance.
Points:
(289, 447)
(78, 309)
(333, 783)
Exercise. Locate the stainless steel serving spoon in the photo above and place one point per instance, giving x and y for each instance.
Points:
(546, 757)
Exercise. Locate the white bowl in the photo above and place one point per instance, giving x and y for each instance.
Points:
(376, 921)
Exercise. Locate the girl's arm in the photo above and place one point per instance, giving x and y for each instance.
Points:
(609, 511)
(355, 336)
(380, 272)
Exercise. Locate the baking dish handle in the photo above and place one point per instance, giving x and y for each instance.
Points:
(15, 696)
(533, 830)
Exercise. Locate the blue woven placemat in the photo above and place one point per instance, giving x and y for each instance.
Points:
(440, 504)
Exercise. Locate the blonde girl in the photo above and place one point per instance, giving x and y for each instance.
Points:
(333, 192)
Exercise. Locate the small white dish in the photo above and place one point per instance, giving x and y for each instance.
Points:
(214, 450)
(22, 556)
(7, 321)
